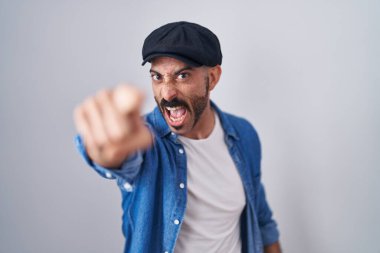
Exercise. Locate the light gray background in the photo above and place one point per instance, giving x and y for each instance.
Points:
(305, 73)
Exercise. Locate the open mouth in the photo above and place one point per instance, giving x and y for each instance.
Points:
(176, 115)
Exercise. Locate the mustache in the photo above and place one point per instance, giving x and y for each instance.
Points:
(173, 103)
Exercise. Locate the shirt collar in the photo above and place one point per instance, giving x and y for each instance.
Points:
(163, 129)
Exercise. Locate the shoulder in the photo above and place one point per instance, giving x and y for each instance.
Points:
(241, 125)
(246, 140)
(238, 120)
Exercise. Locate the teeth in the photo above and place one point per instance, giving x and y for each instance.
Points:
(173, 108)
(177, 119)
(173, 113)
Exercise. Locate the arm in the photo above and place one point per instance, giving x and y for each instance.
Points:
(273, 248)
(268, 226)
(125, 173)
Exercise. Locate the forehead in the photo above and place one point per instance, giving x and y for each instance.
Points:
(167, 64)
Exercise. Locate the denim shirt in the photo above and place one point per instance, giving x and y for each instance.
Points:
(154, 193)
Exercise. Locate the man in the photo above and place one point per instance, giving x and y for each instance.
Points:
(189, 173)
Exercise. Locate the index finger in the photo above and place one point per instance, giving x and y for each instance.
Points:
(127, 99)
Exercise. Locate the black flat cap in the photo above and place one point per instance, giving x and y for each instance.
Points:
(188, 42)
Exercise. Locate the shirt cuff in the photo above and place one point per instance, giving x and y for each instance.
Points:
(269, 233)
(127, 172)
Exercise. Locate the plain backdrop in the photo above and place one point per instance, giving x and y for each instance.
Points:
(305, 73)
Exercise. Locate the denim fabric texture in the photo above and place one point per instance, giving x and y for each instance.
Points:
(154, 203)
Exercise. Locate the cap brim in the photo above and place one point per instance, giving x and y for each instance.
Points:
(175, 56)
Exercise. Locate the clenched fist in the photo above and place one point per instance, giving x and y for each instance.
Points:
(111, 126)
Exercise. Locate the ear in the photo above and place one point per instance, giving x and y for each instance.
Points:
(214, 74)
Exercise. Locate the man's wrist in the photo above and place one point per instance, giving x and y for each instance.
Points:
(273, 248)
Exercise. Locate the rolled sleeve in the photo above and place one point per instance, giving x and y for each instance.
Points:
(269, 233)
(268, 226)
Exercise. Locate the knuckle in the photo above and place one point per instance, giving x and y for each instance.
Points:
(92, 107)
(102, 95)
(89, 103)
(78, 113)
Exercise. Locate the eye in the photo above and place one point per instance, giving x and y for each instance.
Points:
(183, 75)
(156, 77)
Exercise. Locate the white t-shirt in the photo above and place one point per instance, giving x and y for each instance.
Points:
(215, 197)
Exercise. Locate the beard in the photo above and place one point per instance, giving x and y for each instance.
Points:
(196, 105)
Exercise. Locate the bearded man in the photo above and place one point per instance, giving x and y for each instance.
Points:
(189, 173)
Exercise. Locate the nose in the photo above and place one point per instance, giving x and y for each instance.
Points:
(169, 92)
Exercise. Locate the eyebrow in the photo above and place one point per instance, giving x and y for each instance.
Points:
(175, 73)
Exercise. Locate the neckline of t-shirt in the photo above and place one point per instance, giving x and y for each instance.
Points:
(211, 136)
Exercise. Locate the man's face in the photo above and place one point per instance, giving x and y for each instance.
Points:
(181, 93)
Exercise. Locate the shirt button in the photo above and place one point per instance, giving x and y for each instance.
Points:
(166, 252)
(108, 174)
(180, 151)
(176, 222)
(181, 185)
(127, 186)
